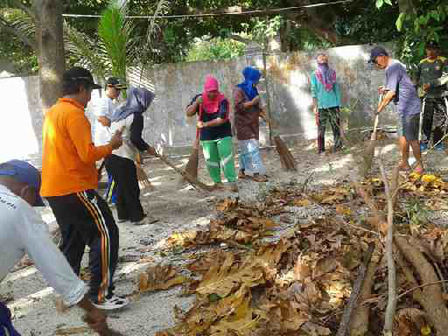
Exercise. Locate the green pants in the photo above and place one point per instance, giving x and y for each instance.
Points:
(219, 153)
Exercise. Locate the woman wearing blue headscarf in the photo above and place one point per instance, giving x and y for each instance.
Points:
(128, 118)
(247, 113)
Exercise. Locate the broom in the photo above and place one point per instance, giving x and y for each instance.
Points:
(142, 177)
(369, 152)
(193, 181)
(286, 158)
(191, 169)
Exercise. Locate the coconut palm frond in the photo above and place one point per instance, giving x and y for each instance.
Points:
(86, 51)
(25, 25)
(115, 31)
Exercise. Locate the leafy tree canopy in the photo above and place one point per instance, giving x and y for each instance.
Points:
(174, 40)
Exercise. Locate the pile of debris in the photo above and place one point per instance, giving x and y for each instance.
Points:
(325, 277)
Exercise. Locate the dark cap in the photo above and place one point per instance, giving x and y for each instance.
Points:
(377, 51)
(115, 82)
(23, 172)
(80, 75)
(432, 45)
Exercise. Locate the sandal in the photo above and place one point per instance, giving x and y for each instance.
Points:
(242, 176)
(218, 186)
(259, 178)
(420, 171)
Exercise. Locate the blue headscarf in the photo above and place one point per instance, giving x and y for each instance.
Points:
(251, 77)
(5, 322)
(138, 101)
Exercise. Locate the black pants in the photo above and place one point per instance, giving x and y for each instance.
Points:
(332, 116)
(85, 219)
(124, 174)
(434, 115)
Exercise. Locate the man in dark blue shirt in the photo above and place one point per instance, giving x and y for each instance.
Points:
(402, 91)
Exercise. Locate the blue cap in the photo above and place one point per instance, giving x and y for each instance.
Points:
(23, 172)
(377, 51)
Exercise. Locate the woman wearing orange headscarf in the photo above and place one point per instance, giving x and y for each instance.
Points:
(215, 132)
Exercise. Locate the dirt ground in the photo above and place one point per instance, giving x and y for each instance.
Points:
(32, 301)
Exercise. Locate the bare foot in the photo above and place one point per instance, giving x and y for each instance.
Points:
(404, 166)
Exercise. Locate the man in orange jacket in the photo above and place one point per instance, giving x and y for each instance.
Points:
(69, 180)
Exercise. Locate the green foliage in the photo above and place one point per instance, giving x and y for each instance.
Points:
(15, 51)
(215, 49)
(115, 32)
(416, 212)
(362, 24)
(86, 52)
(425, 21)
(264, 29)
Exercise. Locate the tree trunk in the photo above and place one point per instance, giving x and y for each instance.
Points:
(50, 49)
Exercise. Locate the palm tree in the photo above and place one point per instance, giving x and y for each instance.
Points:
(115, 52)
(115, 32)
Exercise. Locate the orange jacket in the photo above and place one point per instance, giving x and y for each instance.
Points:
(69, 155)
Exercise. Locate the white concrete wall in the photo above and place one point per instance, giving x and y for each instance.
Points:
(175, 84)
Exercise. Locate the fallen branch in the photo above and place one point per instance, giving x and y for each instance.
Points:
(345, 322)
(391, 272)
(359, 325)
(307, 180)
(421, 286)
(376, 213)
(429, 297)
(357, 227)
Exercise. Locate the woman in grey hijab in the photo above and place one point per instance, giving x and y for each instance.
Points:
(128, 118)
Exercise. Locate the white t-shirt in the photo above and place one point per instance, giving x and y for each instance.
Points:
(24, 231)
(105, 109)
(127, 150)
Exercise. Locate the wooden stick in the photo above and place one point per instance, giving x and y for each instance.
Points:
(391, 271)
(192, 181)
(345, 321)
(421, 286)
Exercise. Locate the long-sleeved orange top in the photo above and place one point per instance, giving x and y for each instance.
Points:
(69, 155)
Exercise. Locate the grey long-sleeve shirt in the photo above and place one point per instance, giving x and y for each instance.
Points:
(22, 230)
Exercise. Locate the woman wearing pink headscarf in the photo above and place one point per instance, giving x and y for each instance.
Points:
(215, 132)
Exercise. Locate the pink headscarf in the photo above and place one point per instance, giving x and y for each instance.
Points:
(211, 106)
(325, 75)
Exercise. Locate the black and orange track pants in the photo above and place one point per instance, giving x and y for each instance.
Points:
(85, 219)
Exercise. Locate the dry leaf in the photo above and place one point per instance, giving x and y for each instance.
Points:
(343, 210)
(159, 277)
(72, 331)
(323, 266)
(223, 279)
(302, 202)
(242, 322)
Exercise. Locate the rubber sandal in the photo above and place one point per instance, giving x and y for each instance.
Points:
(259, 178)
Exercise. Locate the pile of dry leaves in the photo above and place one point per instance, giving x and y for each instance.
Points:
(302, 283)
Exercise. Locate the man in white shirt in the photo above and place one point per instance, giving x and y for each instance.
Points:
(105, 110)
(102, 125)
(23, 231)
